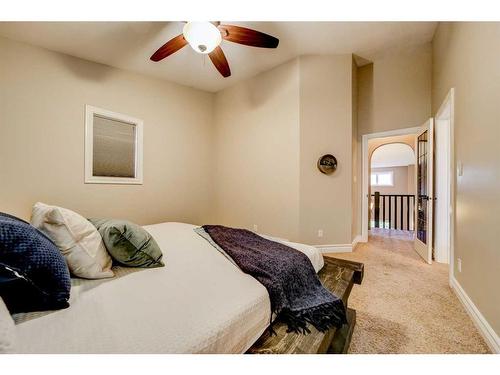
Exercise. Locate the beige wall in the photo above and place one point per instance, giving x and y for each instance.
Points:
(270, 131)
(365, 99)
(257, 152)
(374, 143)
(325, 127)
(395, 91)
(401, 177)
(465, 56)
(356, 158)
(412, 186)
(42, 99)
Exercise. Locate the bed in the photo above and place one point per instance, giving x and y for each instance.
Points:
(198, 303)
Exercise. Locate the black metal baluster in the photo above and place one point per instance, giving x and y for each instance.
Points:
(407, 212)
(390, 212)
(383, 211)
(401, 214)
(395, 212)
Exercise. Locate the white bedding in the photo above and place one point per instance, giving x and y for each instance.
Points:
(198, 303)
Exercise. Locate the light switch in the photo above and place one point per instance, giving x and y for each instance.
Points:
(460, 169)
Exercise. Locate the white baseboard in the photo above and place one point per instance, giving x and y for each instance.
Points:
(356, 240)
(345, 248)
(342, 248)
(489, 335)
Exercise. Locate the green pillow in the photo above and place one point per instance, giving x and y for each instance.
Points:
(128, 243)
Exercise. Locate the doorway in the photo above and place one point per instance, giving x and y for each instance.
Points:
(396, 136)
(434, 200)
(392, 185)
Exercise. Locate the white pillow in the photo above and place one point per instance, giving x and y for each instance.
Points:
(7, 330)
(79, 241)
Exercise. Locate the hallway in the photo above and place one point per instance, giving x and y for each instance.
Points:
(405, 305)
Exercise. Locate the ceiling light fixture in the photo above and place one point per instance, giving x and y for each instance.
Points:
(206, 37)
(203, 37)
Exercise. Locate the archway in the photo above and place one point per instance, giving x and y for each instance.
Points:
(392, 186)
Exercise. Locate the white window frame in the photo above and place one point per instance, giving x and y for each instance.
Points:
(90, 111)
(383, 172)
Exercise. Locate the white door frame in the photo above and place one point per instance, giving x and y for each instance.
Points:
(366, 167)
(450, 100)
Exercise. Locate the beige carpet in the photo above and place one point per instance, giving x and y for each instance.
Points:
(405, 305)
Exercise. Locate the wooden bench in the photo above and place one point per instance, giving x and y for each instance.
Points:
(338, 276)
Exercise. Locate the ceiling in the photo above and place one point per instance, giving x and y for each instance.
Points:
(393, 155)
(128, 45)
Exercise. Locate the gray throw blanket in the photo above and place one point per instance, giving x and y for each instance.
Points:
(296, 293)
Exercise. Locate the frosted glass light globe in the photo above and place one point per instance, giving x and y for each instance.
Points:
(203, 37)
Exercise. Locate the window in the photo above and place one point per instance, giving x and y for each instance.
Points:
(113, 147)
(382, 178)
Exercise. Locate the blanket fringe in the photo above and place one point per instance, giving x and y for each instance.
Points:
(322, 317)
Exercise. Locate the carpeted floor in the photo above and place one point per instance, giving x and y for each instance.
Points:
(405, 305)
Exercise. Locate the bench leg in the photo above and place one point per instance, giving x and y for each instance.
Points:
(342, 338)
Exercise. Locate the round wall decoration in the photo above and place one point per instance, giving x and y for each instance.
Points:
(327, 164)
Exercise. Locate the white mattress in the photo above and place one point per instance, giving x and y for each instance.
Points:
(198, 303)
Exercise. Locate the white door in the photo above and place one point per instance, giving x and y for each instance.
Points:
(424, 202)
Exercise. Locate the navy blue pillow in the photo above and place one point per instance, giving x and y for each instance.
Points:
(33, 273)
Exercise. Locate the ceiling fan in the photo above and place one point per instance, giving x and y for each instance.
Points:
(206, 37)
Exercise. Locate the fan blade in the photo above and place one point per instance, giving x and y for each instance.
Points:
(248, 37)
(220, 62)
(173, 45)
